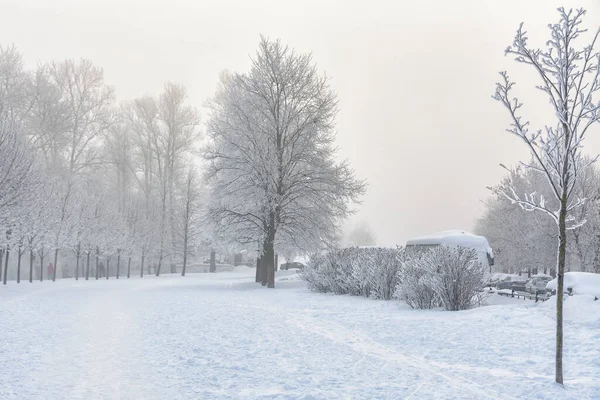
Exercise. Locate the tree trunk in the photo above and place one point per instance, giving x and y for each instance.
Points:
(258, 275)
(97, 259)
(55, 265)
(118, 263)
(184, 262)
(270, 264)
(263, 268)
(41, 267)
(128, 267)
(19, 255)
(562, 254)
(87, 267)
(185, 251)
(78, 256)
(142, 269)
(213, 262)
(31, 258)
(276, 262)
(158, 268)
(6, 265)
(107, 267)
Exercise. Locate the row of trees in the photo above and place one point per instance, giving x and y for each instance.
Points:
(85, 176)
(525, 242)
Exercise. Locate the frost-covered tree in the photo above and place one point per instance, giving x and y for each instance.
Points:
(361, 235)
(14, 86)
(188, 215)
(165, 134)
(20, 176)
(271, 163)
(570, 77)
(522, 241)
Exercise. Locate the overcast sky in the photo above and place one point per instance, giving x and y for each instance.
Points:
(414, 80)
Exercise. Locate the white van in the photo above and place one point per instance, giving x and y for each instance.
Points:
(455, 238)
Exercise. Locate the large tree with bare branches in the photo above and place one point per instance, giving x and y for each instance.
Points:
(271, 163)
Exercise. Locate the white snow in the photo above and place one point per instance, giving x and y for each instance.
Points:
(221, 336)
(581, 282)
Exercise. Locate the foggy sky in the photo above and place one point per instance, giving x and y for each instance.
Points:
(414, 80)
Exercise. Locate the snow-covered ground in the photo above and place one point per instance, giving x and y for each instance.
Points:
(213, 336)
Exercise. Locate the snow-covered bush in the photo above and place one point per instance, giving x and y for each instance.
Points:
(413, 286)
(368, 272)
(384, 273)
(454, 274)
(445, 276)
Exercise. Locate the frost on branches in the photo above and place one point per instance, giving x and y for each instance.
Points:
(453, 274)
(272, 170)
(570, 78)
(368, 272)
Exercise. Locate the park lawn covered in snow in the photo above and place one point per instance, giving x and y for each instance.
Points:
(213, 336)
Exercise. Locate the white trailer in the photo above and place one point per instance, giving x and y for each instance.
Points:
(455, 238)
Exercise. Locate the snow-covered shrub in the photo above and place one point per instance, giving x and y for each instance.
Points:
(413, 286)
(368, 272)
(384, 272)
(454, 274)
(320, 272)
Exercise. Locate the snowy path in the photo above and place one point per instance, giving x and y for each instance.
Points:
(221, 336)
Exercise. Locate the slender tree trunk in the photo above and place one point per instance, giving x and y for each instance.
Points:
(55, 265)
(19, 256)
(97, 259)
(562, 255)
(128, 267)
(213, 262)
(258, 274)
(6, 265)
(276, 262)
(142, 269)
(41, 267)
(78, 257)
(118, 263)
(185, 250)
(31, 258)
(107, 267)
(158, 268)
(87, 267)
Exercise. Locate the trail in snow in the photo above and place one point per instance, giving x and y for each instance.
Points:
(221, 336)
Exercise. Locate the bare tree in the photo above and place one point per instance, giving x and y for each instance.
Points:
(361, 235)
(14, 86)
(272, 166)
(570, 77)
(189, 214)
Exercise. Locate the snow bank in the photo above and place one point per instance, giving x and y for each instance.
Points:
(581, 309)
(582, 283)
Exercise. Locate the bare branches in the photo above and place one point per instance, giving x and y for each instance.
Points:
(570, 78)
(272, 169)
